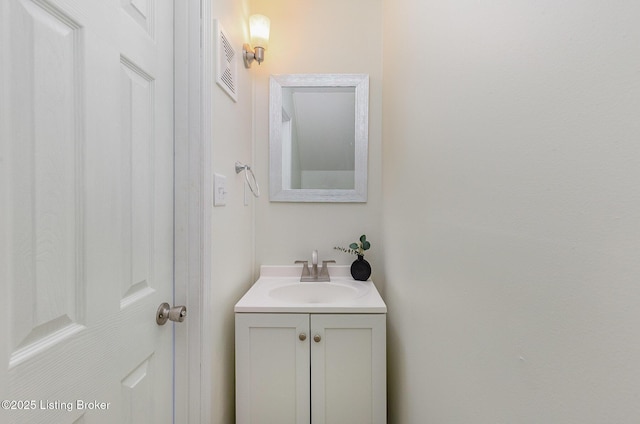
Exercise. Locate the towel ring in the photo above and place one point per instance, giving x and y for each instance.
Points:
(254, 187)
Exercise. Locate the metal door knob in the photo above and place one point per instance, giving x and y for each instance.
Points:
(302, 336)
(166, 312)
(316, 338)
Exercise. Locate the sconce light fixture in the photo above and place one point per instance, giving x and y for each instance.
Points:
(259, 29)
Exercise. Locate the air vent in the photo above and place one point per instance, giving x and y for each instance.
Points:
(226, 68)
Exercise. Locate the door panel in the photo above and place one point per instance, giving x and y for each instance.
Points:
(46, 226)
(87, 152)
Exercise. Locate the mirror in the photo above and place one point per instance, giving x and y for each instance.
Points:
(318, 137)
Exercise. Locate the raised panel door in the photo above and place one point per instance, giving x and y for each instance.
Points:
(86, 221)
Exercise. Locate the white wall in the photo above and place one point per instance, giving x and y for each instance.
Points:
(281, 233)
(512, 211)
(232, 225)
(319, 36)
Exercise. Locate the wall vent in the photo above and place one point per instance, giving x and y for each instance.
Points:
(227, 63)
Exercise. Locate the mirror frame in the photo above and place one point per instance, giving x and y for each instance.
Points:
(361, 84)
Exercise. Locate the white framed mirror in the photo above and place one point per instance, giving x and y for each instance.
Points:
(318, 137)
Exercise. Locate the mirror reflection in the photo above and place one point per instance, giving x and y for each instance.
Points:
(319, 137)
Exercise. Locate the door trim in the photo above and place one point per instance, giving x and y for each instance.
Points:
(193, 208)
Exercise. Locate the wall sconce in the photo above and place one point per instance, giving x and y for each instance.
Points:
(259, 30)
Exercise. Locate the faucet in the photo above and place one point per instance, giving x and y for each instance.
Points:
(313, 274)
(314, 264)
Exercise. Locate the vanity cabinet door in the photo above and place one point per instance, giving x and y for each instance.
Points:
(272, 369)
(348, 369)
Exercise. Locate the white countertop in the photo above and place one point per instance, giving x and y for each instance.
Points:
(261, 296)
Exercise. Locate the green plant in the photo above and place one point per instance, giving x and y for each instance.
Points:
(357, 248)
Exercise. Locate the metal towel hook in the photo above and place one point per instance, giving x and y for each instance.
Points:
(253, 186)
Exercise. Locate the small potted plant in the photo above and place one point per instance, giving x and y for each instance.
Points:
(360, 268)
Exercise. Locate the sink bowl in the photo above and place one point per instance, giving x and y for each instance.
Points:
(279, 290)
(317, 292)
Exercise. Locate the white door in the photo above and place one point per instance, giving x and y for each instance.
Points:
(86, 210)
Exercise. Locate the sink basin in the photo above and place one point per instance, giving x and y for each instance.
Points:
(279, 290)
(317, 292)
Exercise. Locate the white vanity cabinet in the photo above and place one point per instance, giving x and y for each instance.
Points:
(308, 368)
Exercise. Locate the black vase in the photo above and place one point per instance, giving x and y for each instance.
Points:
(360, 269)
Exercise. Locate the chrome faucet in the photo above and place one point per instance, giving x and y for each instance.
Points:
(313, 274)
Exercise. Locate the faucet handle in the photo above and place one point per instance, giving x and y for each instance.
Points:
(305, 268)
(324, 271)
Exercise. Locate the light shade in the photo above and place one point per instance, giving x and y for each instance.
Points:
(259, 29)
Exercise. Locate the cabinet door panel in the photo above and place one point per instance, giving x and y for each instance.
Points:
(348, 368)
(272, 369)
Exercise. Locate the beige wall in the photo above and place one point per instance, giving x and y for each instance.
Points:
(508, 237)
(245, 237)
(511, 214)
(319, 36)
(232, 225)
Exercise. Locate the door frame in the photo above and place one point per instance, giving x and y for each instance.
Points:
(193, 205)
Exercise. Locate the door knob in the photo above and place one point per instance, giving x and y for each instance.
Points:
(302, 336)
(166, 312)
(316, 338)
